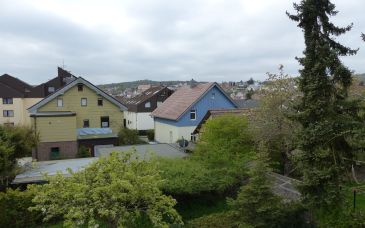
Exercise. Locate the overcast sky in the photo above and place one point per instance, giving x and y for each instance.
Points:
(126, 40)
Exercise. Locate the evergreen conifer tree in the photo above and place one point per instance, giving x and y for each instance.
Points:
(327, 117)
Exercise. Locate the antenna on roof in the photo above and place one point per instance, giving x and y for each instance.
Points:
(63, 64)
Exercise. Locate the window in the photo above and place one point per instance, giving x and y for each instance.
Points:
(159, 103)
(213, 95)
(147, 105)
(104, 121)
(51, 89)
(83, 101)
(193, 114)
(55, 153)
(59, 102)
(100, 101)
(7, 100)
(86, 124)
(80, 87)
(8, 113)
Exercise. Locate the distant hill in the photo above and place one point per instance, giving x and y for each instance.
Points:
(134, 84)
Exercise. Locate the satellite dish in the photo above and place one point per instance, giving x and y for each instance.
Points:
(183, 143)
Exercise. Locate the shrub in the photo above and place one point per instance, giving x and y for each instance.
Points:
(120, 191)
(151, 134)
(83, 152)
(129, 137)
(216, 220)
(14, 211)
(188, 176)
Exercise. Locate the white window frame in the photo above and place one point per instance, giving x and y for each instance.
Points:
(60, 102)
(147, 104)
(84, 104)
(51, 89)
(193, 111)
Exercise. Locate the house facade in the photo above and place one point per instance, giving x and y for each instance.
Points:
(17, 96)
(77, 114)
(181, 113)
(140, 107)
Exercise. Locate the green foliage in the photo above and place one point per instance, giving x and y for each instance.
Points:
(121, 191)
(256, 204)
(216, 220)
(83, 152)
(151, 134)
(14, 211)
(129, 137)
(15, 142)
(270, 123)
(327, 117)
(218, 162)
(188, 176)
(225, 141)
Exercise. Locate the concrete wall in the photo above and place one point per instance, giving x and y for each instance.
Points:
(92, 112)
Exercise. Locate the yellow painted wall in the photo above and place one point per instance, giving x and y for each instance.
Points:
(19, 106)
(92, 112)
(56, 128)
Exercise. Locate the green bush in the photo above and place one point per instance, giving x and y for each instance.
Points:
(14, 211)
(129, 137)
(189, 176)
(151, 134)
(83, 152)
(216, 220)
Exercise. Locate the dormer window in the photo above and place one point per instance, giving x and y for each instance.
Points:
(193, 114)
(80, 87)
(147, 105)
(51, 89)
(213, 96)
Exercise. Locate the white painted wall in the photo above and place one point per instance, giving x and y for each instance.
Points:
(139, 121)
(165, 133)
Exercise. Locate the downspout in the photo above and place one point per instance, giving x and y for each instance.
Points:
(35, 134)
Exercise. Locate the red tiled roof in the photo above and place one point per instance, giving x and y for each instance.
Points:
(180, 101)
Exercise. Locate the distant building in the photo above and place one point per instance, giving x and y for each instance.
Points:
(17, 96)
(77, 114)
(138, 115)
(142, 88)
(180, 114)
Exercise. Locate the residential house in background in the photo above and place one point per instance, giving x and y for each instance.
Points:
(138, 115)
(77, 114)
(181, 113)
(17, 96)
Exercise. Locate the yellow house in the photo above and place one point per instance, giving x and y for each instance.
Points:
(77, 114)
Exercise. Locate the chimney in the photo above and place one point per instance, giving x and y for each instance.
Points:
(193, 83)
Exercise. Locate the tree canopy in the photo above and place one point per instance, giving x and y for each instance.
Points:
(326, 115)
(120, 191)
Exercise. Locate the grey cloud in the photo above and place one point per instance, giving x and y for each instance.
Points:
(207, 40)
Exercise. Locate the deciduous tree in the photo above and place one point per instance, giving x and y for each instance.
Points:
(120, 191)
